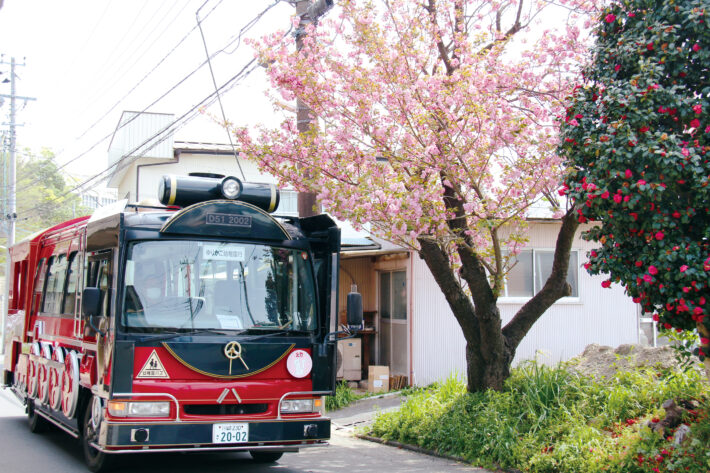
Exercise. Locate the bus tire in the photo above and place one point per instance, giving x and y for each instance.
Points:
(36, 422)
(261, 456)
(96, 460)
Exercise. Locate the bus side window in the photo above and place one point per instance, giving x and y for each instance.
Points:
(98, 274)
(72, 279)
(54, 288)
(39, 286)
(104, 280)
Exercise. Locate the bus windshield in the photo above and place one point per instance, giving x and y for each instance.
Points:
(182, 285)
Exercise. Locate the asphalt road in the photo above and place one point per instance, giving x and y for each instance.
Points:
(56, 452)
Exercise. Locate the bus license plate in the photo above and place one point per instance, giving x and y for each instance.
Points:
(230, 433)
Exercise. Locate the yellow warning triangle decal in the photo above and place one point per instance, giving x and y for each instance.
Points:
(153, 368)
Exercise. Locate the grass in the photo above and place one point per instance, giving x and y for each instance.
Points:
(548, 420)
(344, 396)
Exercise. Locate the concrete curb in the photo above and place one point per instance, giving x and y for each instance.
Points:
(423, 451)
(412, 448)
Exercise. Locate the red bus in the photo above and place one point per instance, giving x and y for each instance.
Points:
(208, 324)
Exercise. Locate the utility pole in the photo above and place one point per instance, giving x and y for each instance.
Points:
(307, 12)
(11, 209)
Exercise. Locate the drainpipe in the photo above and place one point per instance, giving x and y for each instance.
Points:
(411, 319)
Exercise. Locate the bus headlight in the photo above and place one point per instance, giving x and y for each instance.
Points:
(292, 406)
(138, 409)
(231, 187)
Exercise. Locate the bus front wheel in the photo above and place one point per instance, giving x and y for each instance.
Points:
(96, 460)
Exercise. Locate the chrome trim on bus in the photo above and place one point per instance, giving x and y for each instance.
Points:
(57, 423)
(299, 393)
(287, 449)
(170, 396)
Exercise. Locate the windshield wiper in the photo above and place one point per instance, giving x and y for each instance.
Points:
(169, 335)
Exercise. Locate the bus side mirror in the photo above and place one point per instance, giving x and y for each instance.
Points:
(91, 306)
(90, 301)
(354, 309)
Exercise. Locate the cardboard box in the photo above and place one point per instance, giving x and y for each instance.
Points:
(378, 379)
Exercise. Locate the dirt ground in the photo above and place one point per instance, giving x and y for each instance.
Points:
(601, 362)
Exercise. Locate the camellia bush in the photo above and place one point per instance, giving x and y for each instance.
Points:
(637, 138)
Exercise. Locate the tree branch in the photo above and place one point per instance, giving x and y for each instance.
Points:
(555, 287)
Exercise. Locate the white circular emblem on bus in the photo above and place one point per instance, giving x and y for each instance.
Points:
(299, 363)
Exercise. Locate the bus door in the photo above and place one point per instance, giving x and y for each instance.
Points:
(99, 274)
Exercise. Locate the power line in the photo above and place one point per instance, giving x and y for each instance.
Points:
(162, 60)
(231, 41)
(168, 131)
(214, 81)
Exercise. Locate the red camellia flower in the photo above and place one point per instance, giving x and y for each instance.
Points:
(655, 317)
(647, 277)
(684, 268)
(617, 67)
(628, 174)
(676, 214)
(604, 195)
(649, 46)
(606, 283)
(643, 129)
(617, 198)
(695, 123)
(698, 109)
(639, 264)
(653, 270)
(610, 18)
(696, 47)
(659, 236)
(704, 341)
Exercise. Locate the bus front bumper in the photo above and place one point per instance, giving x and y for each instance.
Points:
(281, 435)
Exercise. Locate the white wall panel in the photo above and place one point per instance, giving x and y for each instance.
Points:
(604, 316)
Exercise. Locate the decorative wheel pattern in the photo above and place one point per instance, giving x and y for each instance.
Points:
(70, 385)
(43, 383)
(32, 378)
(20, 379)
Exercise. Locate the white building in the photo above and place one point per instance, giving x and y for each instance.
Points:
(409, 325)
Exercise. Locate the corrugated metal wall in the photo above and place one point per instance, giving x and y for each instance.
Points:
(359, 271)
(133, 130)
(604, 316)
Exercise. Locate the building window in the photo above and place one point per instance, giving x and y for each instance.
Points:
(531, 270)
(288, 203)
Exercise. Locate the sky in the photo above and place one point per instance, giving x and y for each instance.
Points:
(88, 61)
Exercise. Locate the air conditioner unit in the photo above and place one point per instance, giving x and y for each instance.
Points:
(349, 361)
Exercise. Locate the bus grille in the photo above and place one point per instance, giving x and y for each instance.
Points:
(224, 409)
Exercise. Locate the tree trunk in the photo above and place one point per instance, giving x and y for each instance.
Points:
(490, 348)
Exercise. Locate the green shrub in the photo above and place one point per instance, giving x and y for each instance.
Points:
(344, 396)
(548, 420)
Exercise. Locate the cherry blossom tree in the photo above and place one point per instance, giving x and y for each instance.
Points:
(437, 128)
(637, 134)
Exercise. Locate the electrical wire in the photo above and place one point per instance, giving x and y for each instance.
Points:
(162, 60)
(214, 81)
(231, 41)
(167, 131)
